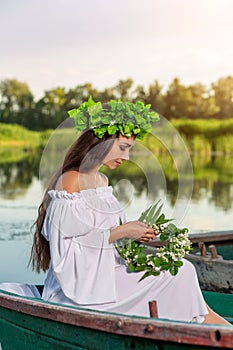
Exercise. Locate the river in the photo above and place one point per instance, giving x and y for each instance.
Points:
(203, 203)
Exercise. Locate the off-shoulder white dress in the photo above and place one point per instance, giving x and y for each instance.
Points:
(85, 269)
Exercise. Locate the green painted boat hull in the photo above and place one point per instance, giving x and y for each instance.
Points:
(27, 324)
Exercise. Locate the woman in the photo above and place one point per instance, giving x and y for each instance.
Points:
(79, 222)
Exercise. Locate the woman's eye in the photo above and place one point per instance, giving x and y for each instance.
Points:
(122, 148)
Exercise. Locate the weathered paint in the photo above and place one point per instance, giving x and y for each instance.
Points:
(29, 324)
(214, 272)
(28, 332)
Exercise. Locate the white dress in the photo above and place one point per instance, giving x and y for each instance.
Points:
(86, 271)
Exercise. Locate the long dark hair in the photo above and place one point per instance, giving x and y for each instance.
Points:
(85, 154)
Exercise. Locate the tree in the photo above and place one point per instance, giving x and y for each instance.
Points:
(223, 91)
(50, 109)
(122, 89)
(140, 94)
(76, 96)
(177, 99)
(191, 102)
(106, 95)
(16, 102)
(202, 103)
(156, 97)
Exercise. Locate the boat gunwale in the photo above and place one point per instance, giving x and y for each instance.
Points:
(209, 237)
(218, 336)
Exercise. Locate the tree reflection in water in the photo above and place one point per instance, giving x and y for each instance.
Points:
(17, 172)
(146, 174)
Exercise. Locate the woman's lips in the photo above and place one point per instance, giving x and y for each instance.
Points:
(117, 163)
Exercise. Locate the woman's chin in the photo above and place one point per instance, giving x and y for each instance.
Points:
(112, 165)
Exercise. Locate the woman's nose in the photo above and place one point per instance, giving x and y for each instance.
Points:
(126, 156)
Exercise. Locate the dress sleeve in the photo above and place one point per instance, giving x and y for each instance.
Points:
(81, 256)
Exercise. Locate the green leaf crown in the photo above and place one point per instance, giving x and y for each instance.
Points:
(126, 117)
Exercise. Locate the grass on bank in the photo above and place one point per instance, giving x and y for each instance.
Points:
(199, 136)
(14, 135)
(208, 128)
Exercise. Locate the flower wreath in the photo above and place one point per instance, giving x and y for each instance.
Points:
(127, 117)
(168, 257)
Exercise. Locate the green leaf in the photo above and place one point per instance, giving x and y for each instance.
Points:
(95, 108)
(163, 237)
(72, 112)
(112, 129)
(144, 214)
(172, 228)
(162, 220)
(136, 130)
(141, 135)
(131, 267)
(99, 132)
(157, 212)
(140, 268)
(149, 273)
(141, 258)
(173, 270)
(150, 215)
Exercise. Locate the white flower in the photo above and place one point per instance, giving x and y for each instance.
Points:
(179, 245)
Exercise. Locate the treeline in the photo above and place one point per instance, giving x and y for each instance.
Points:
(197, 101)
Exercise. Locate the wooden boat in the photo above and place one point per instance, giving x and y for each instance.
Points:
(27, 323)
(212, 256)
(218, 238)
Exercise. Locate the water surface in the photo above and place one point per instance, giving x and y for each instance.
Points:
(202, 203)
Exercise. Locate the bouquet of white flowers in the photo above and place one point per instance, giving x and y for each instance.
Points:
(168, 257)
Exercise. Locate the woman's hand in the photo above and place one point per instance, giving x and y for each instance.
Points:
(136, 230)
(147, 237)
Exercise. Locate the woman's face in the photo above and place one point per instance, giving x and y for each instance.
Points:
(119, 151)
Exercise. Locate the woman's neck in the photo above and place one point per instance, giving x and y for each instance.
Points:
(91, 179)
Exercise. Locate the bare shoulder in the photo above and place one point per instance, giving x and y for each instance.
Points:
(69, 181)
(104, 179)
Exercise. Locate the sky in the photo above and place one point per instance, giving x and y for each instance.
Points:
(65, 43)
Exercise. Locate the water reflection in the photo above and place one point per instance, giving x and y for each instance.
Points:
(146, 172)
(146, 177)
(17, 175)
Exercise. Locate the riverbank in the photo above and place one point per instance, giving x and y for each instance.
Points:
(199, 136)
(14, 135)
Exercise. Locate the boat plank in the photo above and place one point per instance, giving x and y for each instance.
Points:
(217, 237)
(154, 329)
